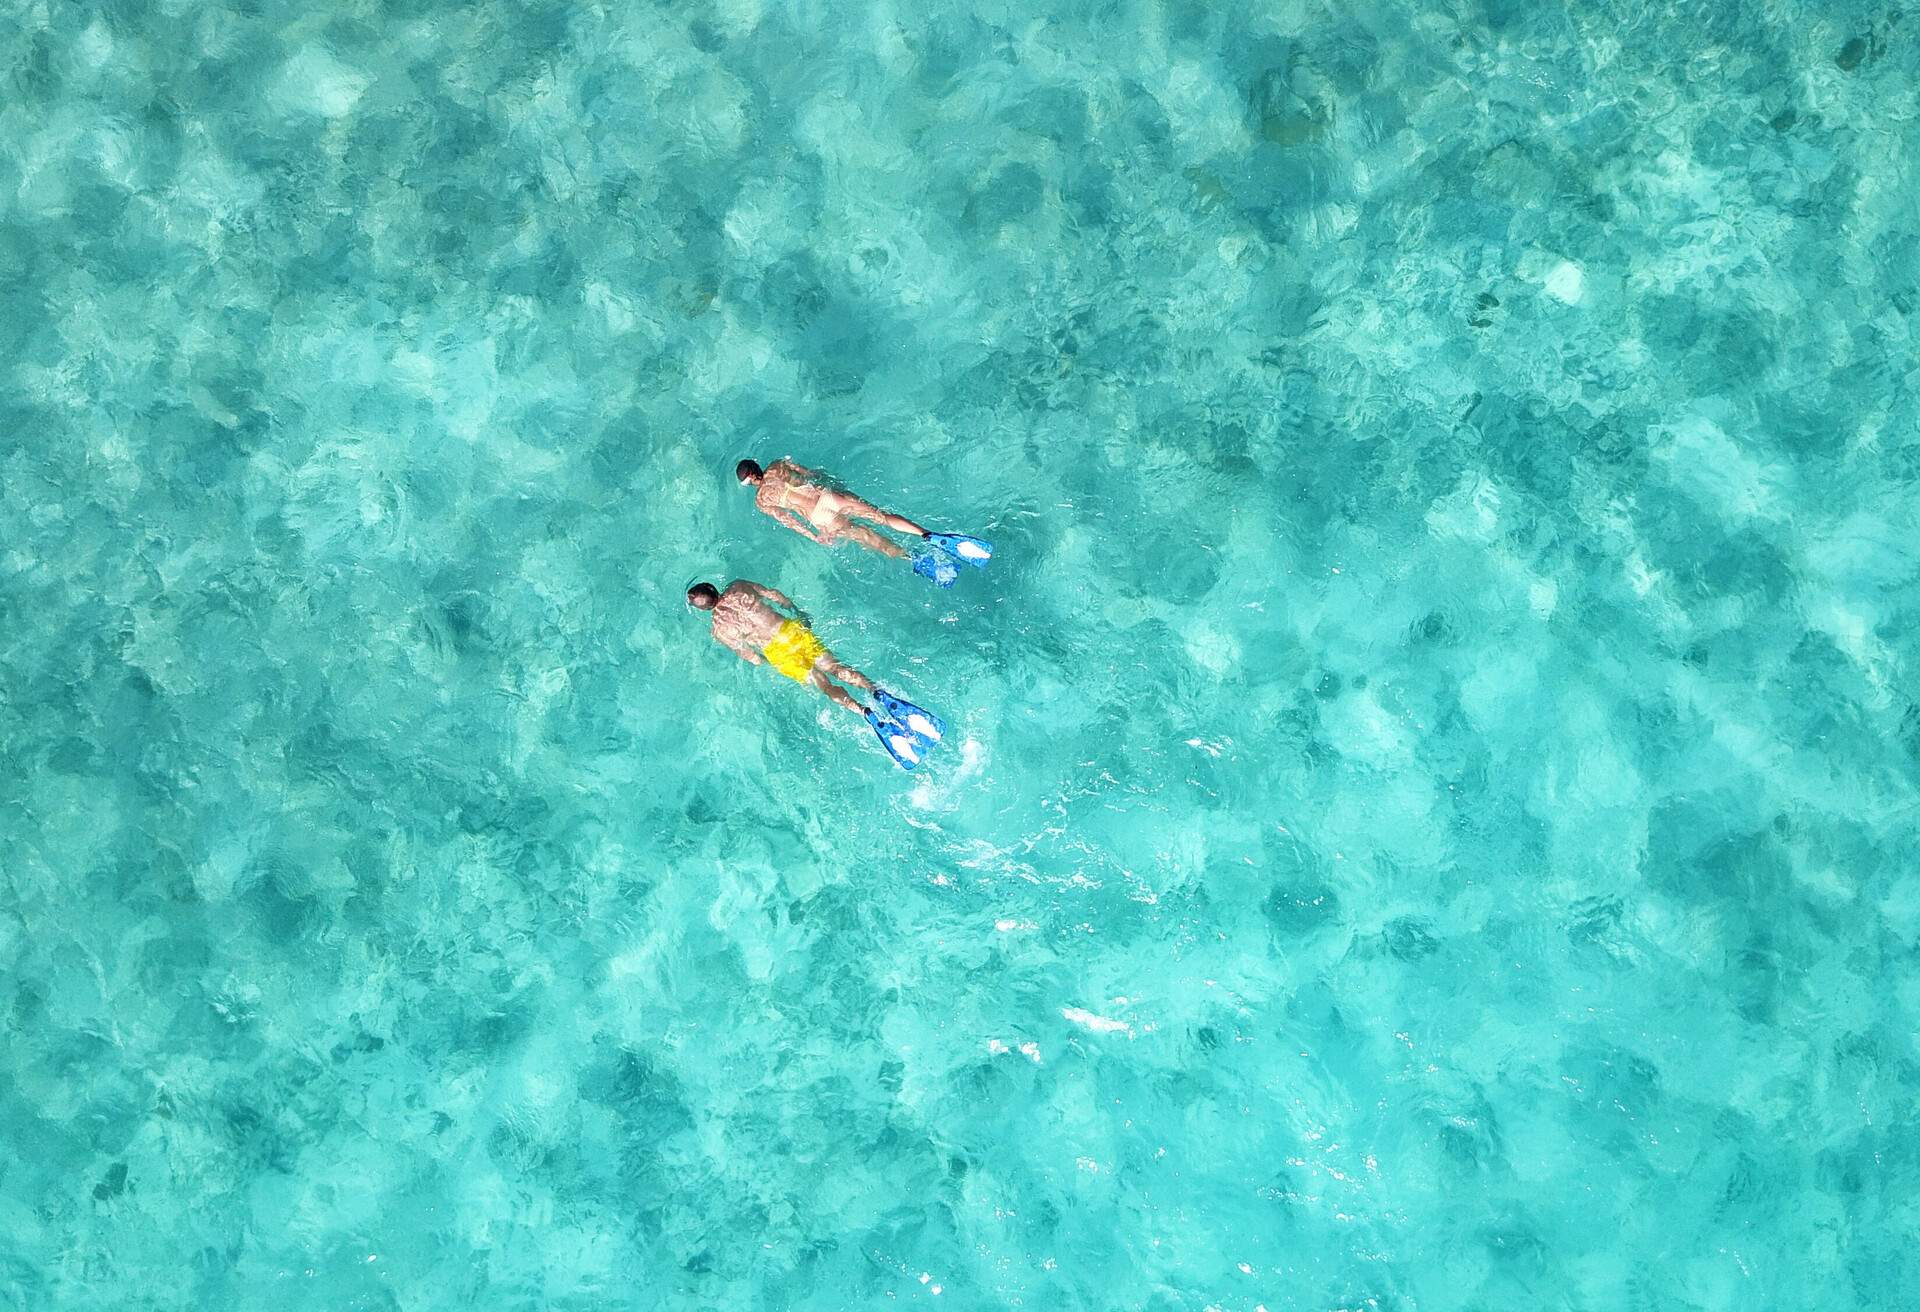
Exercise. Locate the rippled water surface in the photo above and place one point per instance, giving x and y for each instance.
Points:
(1431, 811)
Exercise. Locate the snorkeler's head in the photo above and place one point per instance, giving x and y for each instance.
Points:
(749, 472)
(703, 596)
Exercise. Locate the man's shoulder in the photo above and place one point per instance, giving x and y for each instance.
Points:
(741, 598)
(785, 470)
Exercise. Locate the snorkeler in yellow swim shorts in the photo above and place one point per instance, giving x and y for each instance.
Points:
(793, 650)
(745, 619)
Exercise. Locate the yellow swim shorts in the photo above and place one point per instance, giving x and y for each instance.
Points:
(793, 650)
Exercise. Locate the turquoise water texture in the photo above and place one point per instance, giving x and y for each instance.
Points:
(1431, 812)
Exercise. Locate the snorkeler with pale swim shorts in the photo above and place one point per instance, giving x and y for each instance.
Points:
(807, 502)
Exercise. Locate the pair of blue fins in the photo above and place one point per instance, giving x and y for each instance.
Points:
(907, 731)
(935, 561)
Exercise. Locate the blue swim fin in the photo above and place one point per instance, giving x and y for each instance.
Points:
(924, 725)
(930, 564)
(974, 551)
(900, 744)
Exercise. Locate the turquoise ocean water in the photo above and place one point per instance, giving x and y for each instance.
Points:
(1431, 812)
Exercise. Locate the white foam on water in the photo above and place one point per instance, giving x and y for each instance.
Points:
(1567, 282)
(1098, 1024)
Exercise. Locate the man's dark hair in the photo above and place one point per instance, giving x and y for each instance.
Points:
(703, 596)
(749, 471)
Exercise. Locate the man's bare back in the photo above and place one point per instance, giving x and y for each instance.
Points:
(743, 617)
(806, 502)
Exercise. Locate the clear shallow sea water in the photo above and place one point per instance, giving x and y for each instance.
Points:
(1432, 809)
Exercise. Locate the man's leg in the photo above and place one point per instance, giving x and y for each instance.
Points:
(867, 538)
(886, 518)
(843, 672)
(818, 679)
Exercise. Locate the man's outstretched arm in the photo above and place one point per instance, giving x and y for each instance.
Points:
(775, 596)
